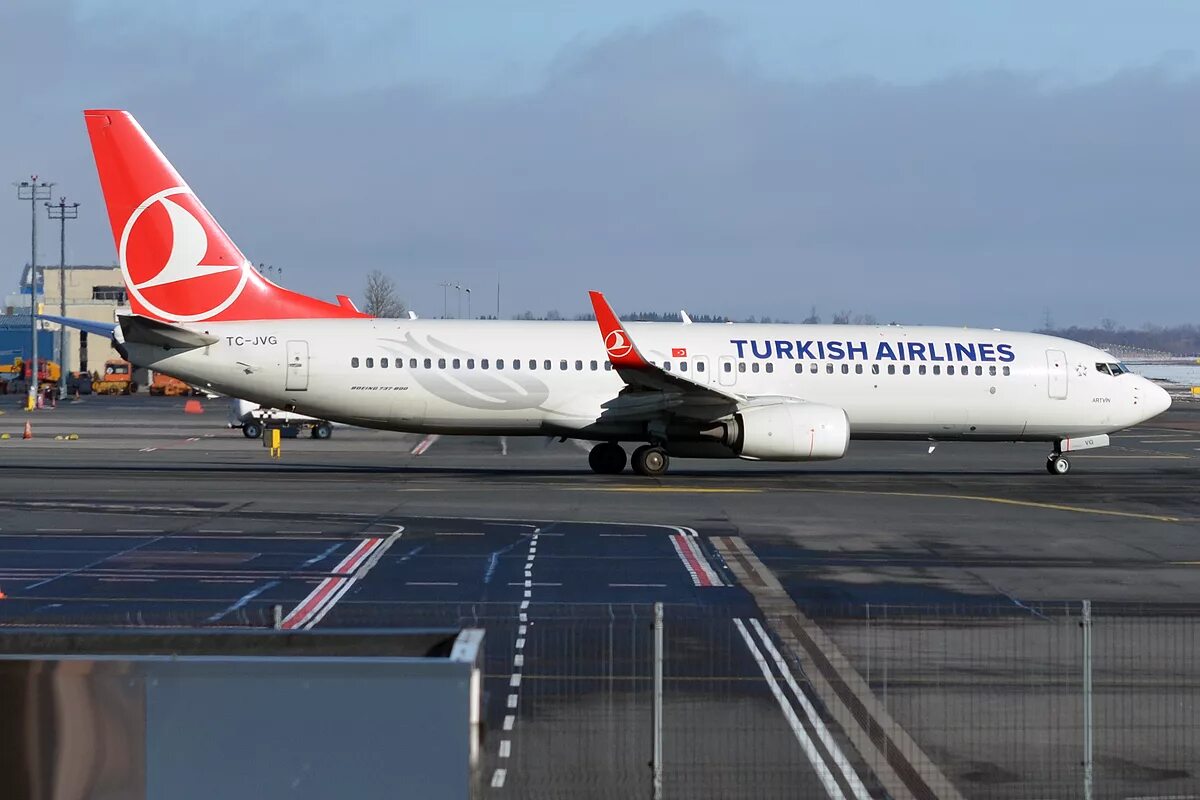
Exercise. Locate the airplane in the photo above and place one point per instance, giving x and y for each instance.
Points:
(770, 392)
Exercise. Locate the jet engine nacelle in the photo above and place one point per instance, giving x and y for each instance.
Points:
(789, 432)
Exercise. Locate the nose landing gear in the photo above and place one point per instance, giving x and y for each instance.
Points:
(1057, 464)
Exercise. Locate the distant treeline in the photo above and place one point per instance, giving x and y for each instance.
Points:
(839, 318)
(1179, 340)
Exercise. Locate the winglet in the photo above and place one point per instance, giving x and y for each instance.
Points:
(622, 352)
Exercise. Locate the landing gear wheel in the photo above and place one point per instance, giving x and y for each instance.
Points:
(322, 430)
(251, 430)
(1057, 464)
(650, 460)
(607, 458)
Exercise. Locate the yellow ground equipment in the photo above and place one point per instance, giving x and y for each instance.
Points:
(166, 386)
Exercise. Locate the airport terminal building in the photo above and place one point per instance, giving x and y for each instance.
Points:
(93, 292)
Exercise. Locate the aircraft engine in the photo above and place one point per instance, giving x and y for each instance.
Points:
(785, 432)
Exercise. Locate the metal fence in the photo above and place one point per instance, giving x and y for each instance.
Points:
(902, 701)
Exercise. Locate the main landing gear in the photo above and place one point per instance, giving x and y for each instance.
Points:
(608, 458)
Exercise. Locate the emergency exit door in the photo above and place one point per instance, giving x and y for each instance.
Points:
(1056, 369)
(297, 366)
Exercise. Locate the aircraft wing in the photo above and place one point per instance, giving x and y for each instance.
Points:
(104, 329)
(650, 388)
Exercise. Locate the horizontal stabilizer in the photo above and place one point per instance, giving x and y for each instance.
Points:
(104, 329)
(143, 330)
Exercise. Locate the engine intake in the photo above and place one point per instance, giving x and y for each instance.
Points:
(788, 432)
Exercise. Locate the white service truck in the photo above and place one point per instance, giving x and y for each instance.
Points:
(253, 419)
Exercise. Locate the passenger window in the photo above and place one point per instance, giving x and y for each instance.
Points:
(353, 363)
(370, 363)
(845, 369)
(813, 368)
(858, 369)
(532, 363)
(470, 363)
(428, 363)
(754, 367)
(516, 363)
(1007, 371)
(412, 363)
(499, 363)
(891, 369)
(700, 366)
(770, 367)
(441, 363)
(683, 366)
(608, 366)
(907, 369)
(950, 369)
(727, 367)
(483, 363)
(667, 366)
(979, 370)
(937, 369)
(992, 370)
(578, 366)
(874, 369)
(799, 368)
(456, 363)
(829, 368)
(546, 364)
(921, 369)
(594, 365)
(741, 366)
(383, 362)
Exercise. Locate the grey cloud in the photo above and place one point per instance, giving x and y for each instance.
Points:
(653, 166)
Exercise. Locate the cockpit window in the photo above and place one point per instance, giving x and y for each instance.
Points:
(1112, 369)
(1103, 368)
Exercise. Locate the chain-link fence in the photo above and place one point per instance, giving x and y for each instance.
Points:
(856, 701)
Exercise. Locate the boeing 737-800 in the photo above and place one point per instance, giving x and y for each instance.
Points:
(201, 312)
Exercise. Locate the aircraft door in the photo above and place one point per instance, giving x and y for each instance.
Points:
(726, 371)
(700, 370)
(297, 366)
(1056, 370)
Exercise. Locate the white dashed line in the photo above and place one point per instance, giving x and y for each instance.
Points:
(521, 630)
(512, 701)
(515, 680)
(508, 722)
(637, 585)
(518, 660)
(498, 778)
(521, 643)
(139, 530)
(524, 604)
(505, 748)
(59, 530)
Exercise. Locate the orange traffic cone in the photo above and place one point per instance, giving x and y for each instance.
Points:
(28, 431)
(2, 594)
(193, 407)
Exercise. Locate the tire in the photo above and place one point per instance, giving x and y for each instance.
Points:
(251, 430)
(650, 461)
(607, 458)
(322, 430)
(133, 387)
(1058, 465)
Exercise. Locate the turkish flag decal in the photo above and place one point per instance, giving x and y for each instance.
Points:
(678, 352)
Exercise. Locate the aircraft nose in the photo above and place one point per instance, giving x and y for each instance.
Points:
(1157, 400)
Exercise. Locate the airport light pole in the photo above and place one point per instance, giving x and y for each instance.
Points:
(33, 190)
(468, 291)
(445, 308)
(62, 211)
(458, 313)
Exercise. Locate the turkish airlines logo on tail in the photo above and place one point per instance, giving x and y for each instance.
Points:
(176, 260)
(617, 344)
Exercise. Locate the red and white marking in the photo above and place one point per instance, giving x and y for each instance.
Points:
(694, 560)
(320, 600)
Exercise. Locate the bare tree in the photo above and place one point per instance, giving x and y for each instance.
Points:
(842, 317)
(380, 299)
(813, 317)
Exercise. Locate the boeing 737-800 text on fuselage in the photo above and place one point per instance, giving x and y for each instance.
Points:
(201, 312)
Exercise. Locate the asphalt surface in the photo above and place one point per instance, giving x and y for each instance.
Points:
(949, 580)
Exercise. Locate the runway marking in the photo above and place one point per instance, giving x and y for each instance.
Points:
(666, 489)
(1007, 501)
(623, 535)
(521, 643)
(518, 660)
(521, 630)
(1168, 441)
(217, 530)
(531, 583)
(637, 585)
(459, 533)
(498, 778)
(431, 583)
(321, 556)
(425, 444)
(697, 566)
(139, 530)
(299, 533)
(59, 530)
(806, 744)
(128, 580)
(505, 748)
(512, 701)
(843, 764)
(515, 680)
(313, 608)
(243, 601)
(509, 719)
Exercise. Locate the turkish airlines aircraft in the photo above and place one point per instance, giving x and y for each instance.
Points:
(763, 392)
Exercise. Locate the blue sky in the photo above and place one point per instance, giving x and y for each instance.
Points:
(921, 161)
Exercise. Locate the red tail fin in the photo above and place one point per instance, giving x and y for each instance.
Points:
(178, 265)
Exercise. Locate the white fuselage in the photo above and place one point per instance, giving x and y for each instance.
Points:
(893, 382)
